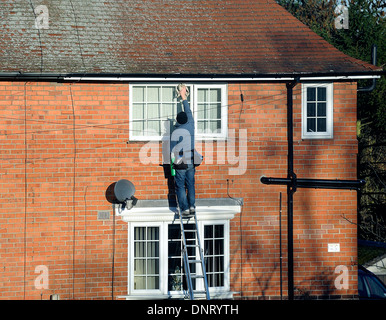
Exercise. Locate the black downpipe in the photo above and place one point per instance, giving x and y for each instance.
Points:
(291, 188)
(373, 62)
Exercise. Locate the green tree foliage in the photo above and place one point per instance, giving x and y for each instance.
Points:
(366, 26)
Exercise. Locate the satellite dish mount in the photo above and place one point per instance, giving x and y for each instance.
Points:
(124, 193)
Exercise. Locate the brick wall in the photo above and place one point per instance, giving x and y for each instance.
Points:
(63, 145)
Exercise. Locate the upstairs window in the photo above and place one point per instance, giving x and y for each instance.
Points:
(153, 110)
(317, 111)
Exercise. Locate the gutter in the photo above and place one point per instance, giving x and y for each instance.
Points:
(219, 78)
(92, 77)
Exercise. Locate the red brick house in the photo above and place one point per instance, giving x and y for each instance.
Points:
(86, 91)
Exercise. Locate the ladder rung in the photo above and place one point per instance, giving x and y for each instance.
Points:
(195, 276)
(194, 261)
(192, 245)
(189, 230)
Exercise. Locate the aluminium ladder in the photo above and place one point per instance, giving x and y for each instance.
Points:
(185, 250)
(189, 260)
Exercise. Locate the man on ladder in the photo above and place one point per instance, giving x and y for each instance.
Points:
(183, 159)
(182, 154)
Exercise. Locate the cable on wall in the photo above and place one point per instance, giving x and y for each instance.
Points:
(73, 194)
(241, 236)
(25, 188)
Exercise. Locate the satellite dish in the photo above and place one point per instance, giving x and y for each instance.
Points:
(124, 192)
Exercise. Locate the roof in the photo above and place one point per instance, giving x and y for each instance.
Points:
(184, 37)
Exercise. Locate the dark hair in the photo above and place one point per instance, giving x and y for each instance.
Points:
(182, 117)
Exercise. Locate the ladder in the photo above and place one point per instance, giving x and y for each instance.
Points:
(193, 242)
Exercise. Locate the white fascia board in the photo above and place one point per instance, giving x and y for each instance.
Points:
(217, 79)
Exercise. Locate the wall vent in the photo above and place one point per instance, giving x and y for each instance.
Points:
(103, 215)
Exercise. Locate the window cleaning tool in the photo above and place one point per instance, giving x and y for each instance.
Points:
(179, 87)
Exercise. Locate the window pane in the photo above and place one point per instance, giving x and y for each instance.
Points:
(168, 94)
(153, 249)
(139, 233)
(153, 233)
(208, 232)
(215, 95)
(219, 231)
(138, 128)
(138, 111)
(139, 266)
(219, 264)
(168, 110)
(153, 94)
(311, 94)
(152, 266)
(322, 124)
(209, 265)
(215, 111)
(219, 280)
(202, 127)
(215, 126)
(208, 247)
(322, 94)
(138, 94)
(202, 95)
(139, 249)
(311, 125)
(153, 128)
(153, 283)
(139, 282)
(322, 109)
(153, 111)
(311, 110)
(219, 246)
(201, 111)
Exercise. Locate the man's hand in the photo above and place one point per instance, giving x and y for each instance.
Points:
(183, 93)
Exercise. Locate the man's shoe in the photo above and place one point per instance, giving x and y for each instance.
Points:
(192, 210)
(186, 212)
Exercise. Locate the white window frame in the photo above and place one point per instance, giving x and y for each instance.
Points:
(226, 286)
(193, 104)
(329, 111)
(131, 255)
(224, 111)
(162, 217)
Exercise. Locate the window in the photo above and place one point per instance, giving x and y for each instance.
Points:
(176, 269)
(146, 258)
(153, 109)
(156, 262)
(214, 254)
(317, 111)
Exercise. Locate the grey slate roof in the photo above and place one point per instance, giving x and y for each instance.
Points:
(199, 37)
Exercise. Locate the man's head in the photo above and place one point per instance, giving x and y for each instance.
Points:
(182, 117)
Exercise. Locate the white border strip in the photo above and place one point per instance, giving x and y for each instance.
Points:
(184, 79)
